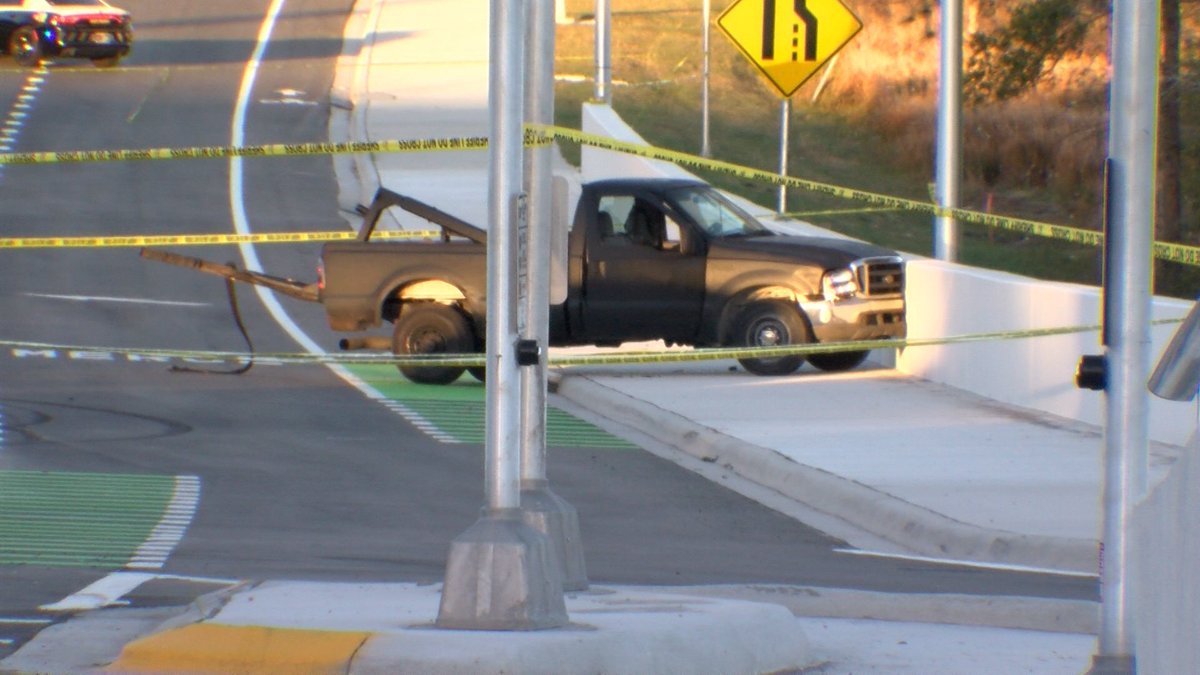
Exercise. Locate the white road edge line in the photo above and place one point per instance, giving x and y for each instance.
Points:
(241, 222)
(106, 298)
(967, 563)
(169, 531)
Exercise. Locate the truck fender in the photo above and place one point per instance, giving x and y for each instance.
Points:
(430, 289)
(426, 290)
(734, 307)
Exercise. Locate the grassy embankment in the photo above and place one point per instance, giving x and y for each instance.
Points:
(872, 128)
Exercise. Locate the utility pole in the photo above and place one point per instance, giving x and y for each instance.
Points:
(502, 574)
(1128, 239)
(948, 173)
(602, 90)
(541, 508)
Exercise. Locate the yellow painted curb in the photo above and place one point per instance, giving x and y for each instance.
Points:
(217, 648)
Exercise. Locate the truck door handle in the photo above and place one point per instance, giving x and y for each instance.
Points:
(603, 267)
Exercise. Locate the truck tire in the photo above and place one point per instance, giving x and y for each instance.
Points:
(836, 362)
(771, 324)
(431, 328)
(25, 47)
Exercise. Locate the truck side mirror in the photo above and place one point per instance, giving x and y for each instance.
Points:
(1177, 376)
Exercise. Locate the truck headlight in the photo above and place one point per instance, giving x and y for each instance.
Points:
(839, 284)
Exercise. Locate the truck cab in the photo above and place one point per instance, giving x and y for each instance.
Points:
(676, 259)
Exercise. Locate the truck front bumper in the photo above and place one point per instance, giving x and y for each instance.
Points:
(856, 319)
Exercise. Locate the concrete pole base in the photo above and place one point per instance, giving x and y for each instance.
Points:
(1117, 664)
(501, 575)
(555, 518)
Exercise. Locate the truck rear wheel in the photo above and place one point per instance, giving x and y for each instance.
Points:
(836, 362)
(771, 324)
(431, 328)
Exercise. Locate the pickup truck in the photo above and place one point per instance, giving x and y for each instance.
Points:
(647, 259)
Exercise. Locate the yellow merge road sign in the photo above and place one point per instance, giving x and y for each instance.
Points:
(789, 40)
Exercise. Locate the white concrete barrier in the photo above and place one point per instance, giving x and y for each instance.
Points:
(946, 299)
(598, 163)
(1166, 612)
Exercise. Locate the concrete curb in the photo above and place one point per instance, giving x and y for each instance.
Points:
(387, 628)
(907, 525)
(1013, 612)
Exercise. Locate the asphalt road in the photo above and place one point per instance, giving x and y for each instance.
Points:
(299, 475)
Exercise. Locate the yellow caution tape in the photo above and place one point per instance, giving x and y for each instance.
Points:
(555, 360)
(838, 212)
(273, 150)
(536, 135)
(203, 239)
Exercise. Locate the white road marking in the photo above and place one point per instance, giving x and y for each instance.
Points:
(169, 531)
(100, 593)
(109, 590)
(31, 622)
(19, 111)
(106, 298)
(237, 204)
(241, 221)
(967, 563)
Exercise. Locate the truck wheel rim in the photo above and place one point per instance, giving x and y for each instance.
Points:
(23, 47)
(769, 334)
(427, 342)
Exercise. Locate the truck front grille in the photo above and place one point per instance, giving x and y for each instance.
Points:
(881, 276)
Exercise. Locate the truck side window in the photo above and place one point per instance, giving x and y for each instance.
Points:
(638, 221)
(613, 216)
(604, 224)
(646, 224)
(671, 235)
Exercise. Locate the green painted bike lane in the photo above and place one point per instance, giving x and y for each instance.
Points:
(101, 520)
(454, 413)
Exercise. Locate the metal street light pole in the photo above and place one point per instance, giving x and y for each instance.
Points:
(948, 173)
(705, 149)
(602, 90)
(501, 574)
(1131, 149)
(541, 509)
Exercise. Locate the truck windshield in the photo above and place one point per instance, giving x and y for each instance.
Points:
(718, 216)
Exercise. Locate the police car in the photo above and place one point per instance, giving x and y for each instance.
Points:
(35, 30)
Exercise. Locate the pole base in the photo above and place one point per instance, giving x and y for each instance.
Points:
(1118, 664)
(554, 517)
(501, 575)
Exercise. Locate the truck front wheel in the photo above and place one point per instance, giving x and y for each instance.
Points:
(431, 328)
(771, 324)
